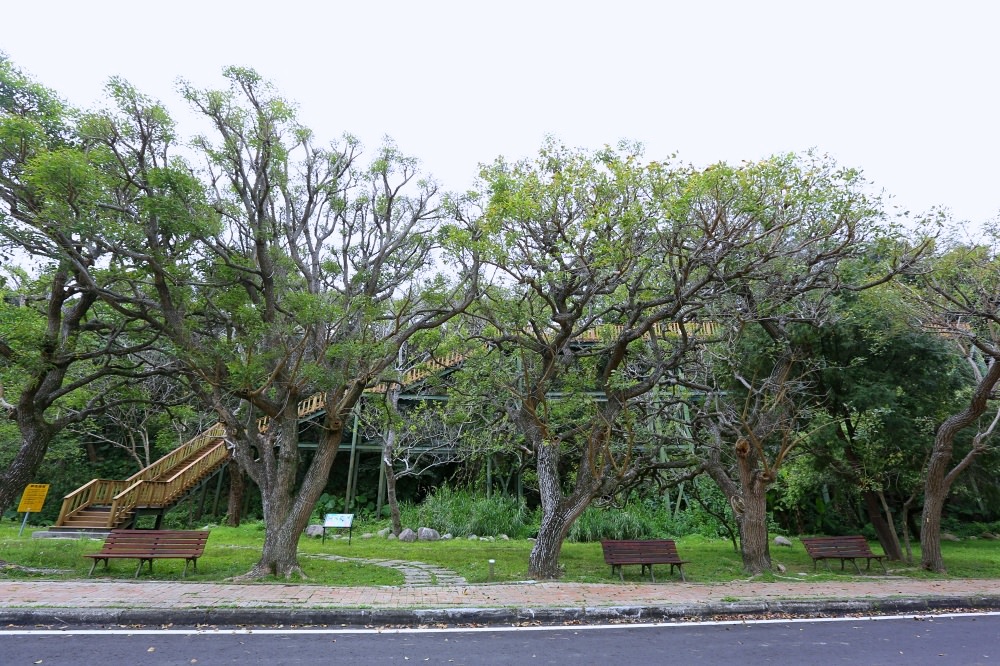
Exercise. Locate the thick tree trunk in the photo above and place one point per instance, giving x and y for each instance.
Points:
(751, 516)
(558, 512)
(751, 511)
(543, 562)
(286, 509)
(748, 498)
(884, 530)
(939, 479)
(237, 493)
(930, 528)
(35, 439)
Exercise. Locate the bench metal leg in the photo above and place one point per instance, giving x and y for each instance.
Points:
(879, 560)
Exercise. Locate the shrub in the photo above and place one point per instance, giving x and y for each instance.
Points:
(461, 513)
(597, 523)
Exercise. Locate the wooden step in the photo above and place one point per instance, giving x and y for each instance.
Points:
(87, 518)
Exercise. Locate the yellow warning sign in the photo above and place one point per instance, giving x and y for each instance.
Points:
(33, 498)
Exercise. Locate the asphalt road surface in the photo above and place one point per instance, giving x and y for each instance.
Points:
(965, 639)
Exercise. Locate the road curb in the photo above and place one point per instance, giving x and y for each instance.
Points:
(383, 617)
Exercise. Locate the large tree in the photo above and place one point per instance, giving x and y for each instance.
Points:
(298, 271)
(957, 297)
(799, 230)
(572, 239)
(63, 355)
(610, 267)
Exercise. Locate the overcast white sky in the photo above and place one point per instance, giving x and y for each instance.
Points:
(905, 90)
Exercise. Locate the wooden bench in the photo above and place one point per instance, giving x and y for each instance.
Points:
(841, 548)
(645, 552)
(149, 545)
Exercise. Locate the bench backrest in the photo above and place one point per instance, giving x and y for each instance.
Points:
(157, 541)
(837, 545)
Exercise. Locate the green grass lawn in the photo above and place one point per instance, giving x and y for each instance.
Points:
(232, 551)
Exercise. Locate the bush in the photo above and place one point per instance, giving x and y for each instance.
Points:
(597, 523)
(461, 513)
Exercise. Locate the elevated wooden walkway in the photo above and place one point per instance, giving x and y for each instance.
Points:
(104, 504)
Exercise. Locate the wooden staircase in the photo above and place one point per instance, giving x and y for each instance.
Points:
(105, 504)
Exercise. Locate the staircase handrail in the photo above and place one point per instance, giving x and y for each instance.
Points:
(177, 455)
(90, 493)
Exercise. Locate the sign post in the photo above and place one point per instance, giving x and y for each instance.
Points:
(32, 500)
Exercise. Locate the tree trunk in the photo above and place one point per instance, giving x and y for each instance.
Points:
(558, 514)
(930, 528)
(751, 516)
(939, 479)
(543, 563)
(884, 530)
(390, 492)
(287, 510)
(35, 438)
(388, 446)
(748, 498)
(237, 492)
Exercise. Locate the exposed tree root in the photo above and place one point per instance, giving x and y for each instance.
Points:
(6, 567)
(262, 571)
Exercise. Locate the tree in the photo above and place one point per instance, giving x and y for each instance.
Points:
(57, 341)
(798, 231)
(414, 440)
(957, 297)
(593, 311)
(297, 272)
(881, 383)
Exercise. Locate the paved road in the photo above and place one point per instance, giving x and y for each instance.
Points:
(948, 639)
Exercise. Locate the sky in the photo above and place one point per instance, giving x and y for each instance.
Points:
(906, 91)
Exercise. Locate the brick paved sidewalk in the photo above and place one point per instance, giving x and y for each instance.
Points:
(97, 594)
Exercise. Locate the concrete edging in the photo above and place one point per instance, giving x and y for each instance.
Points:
(485, 616)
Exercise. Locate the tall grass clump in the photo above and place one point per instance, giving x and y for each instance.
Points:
(462, 513)
(597, 523)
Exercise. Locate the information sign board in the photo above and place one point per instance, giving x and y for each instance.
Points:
(33, 498)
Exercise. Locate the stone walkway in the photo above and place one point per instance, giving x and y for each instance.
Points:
(414, 573)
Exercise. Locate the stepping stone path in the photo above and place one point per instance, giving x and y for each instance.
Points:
(414, 573)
